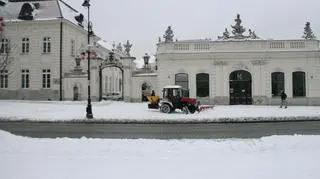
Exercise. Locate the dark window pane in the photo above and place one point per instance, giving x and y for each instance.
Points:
(277, 83)
(44, 47)
(43, 81)
(27, 80)
(22, 81)
(49, 47)
(6, 81)
(202, 85)
(48, 81)
(299, 84)
(182, 80)
(27, 47)
(1, 81)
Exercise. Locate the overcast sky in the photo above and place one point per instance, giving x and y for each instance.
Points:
(143, 21)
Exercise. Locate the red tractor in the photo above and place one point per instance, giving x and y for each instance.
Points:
(174, 97)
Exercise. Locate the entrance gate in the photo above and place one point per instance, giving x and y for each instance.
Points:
(240, 84)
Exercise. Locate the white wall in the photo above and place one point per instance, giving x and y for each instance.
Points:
(258, 57)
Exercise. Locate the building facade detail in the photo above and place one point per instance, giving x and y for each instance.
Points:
(127, 48)
(237, 31)
(237, 68)
(168, 36)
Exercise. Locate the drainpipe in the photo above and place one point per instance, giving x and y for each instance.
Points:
(60, 62)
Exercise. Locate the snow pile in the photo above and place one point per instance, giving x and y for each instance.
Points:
(138, 112)
(279, 157)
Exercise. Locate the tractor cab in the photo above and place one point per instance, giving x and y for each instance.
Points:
(176, 97)
(174, 91)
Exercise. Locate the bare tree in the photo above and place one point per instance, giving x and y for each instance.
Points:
(6, 50)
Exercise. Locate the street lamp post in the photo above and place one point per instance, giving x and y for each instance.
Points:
(89, 114)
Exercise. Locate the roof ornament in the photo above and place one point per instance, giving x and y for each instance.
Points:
(119, 47)
(252, 34)
(168, 36)
(127, 48)
(225, 35)
(79, 18)
(237, 31)
(308, 33)
(26, 12)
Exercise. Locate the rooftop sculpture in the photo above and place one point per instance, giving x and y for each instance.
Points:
(237, 31)
(127, 48)
(168, 36)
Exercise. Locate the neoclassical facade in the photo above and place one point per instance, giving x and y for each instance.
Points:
(242, 69)
(48, 45)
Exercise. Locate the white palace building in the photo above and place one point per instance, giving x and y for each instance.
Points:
(47, 42)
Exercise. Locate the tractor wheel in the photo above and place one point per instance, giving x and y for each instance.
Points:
(185, 110)
(165, 108)
(192, 109)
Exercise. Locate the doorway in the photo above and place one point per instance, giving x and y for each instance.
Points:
(240, 88)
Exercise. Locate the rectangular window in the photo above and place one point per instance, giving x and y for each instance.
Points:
(46, 78)
(46, 44)
(72, 48)
(299, 84)
(277, 83)
(4, 79)
(25, 45)
(25, 78)
(4, 46)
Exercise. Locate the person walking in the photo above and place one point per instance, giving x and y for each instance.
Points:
(283, 99)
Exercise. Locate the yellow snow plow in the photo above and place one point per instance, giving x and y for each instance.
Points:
(153, 102)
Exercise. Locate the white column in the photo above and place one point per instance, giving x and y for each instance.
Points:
(193, 84)
(127, 77)
(288, 83)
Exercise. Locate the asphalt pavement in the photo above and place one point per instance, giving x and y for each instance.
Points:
(160, 131)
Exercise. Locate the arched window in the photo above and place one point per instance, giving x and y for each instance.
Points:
(182, 80)
(202, 85)
(277, 82)
(299, 83)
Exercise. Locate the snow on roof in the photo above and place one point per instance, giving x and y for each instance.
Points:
(69, 13)
(105, 44)
(47, 9)
(43, 10)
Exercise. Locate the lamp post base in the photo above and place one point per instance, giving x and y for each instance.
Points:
(89, 112)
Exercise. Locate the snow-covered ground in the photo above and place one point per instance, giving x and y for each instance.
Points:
(124, 112)
(120, 111)
(274, 157)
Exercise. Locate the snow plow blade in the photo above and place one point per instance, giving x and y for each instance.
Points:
(205, 107)
(153, 102)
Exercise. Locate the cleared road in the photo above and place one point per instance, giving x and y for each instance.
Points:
(161, 131)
